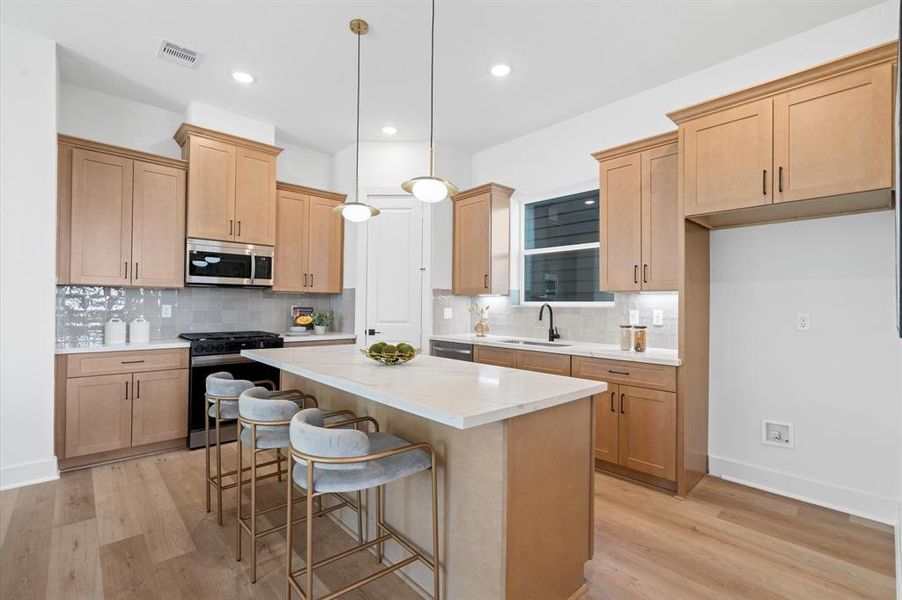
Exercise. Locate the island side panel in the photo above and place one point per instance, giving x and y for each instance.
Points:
(471, 493)
(549, 499)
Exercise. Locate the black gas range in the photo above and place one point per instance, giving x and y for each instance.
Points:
(216, 351)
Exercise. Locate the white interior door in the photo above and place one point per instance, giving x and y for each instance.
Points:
(394, 271)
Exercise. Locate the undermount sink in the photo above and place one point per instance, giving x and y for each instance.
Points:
(533, 343)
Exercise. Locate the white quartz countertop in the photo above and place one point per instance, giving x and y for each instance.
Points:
(455, 393)
(161, 344)
(655, 356)
(312, 337)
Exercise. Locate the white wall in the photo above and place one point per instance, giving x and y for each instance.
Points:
(558, 157)
(303, 166)
(838, 384)
(28, 81)
(217, 119)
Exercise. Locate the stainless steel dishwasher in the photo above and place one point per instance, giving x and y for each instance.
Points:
(454, 350)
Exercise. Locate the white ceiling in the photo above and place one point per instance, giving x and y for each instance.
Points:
(567, 57)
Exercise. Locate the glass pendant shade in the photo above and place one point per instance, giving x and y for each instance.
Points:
(429, 189)
(356, 212)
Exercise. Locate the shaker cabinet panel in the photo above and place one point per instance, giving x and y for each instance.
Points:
(620, 188)
(211, 189)
(660, 270)
(290, 262)
(324, 254)
(834, 136)
(160, 406)
(472, 245)
(101, 218)
(607, 416)
(158, 226)
(255, 197)
(648, 431)
(98, 414)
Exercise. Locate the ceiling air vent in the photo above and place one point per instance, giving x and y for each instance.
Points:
(179, 55)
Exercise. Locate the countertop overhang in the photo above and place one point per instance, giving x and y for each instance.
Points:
(454, 393)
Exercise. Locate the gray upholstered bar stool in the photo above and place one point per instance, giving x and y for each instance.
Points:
(332, 461)
(263, 418)
(222, 392)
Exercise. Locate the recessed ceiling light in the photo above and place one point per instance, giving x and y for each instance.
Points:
(389, 130)
(590, 202)
(500, 70)
(243, 77)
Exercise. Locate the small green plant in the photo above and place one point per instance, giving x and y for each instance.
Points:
(322, 319)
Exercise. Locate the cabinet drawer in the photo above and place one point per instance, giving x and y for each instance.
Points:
(544, 362)
(500, 357)
(658, 377)
(109, 363)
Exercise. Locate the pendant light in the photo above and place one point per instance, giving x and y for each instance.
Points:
(357, 211)
(431, 188)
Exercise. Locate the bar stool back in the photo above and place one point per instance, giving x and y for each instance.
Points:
(329, 460)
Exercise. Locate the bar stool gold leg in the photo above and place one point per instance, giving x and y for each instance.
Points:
(288, 528)
(359, 519)
(309, 575)
(279, 463)
(380, 518)
(218, 463)
(253, 504)
(435, 563)
(207, 455)
(240, 496)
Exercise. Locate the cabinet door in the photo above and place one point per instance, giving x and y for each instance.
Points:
(290, 261)
(607, 419)
(158, 226)
(648, 431)
(620, 225)
(211, 189)
(101, 218)
(728, 158)
(325, 234)
(835, 136)
(160, 407)
(255, 198)
(98, 414)
(544, 362)
(500, 357)
(660, 219)
(472, 245)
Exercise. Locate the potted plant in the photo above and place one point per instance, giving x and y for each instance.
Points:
(321, 320)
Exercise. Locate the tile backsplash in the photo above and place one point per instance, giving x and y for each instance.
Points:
(81, 311)
(586, 324)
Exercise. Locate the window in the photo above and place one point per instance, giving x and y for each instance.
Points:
(560, 250)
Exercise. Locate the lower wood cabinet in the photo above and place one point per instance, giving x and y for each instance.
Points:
(647, 431)
(115, 411)
(500, 357)
(607, 424)
(527, 360)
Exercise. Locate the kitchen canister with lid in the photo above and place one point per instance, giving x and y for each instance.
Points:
(139, 331)
(114, 331)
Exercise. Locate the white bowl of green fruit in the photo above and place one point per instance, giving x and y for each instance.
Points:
(390, 354)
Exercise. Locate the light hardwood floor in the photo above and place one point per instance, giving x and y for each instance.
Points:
(138, 530)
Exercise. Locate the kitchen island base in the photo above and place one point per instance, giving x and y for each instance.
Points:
(515, 498)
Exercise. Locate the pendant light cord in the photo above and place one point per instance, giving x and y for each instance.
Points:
(432, 80)
(357, 149)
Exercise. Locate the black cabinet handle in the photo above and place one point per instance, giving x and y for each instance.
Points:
(305, 280)
(126, 390)
(126, 269)
(230, 226)
(130, 362)
(618, 372)
(622, 412)
(239, 228)
(645, 273)
(135, 273)
(764, 182)
(138, 392)
(485, 281)
(612, 402)
(311, 280)
(635, 273)
(780, 179)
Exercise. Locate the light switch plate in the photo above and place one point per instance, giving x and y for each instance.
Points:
(447, 312)
(634, 317)
(166, 311)
(657, 317)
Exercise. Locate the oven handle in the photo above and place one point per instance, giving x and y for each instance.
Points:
(218, 359)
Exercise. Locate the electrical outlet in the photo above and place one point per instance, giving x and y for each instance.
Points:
(166, 311)
(447, 313)
(777, 433)
(803, 322)
(634, 317)
(657, 317)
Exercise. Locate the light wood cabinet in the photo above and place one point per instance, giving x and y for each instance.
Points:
(500, 357)
(481, 240)
(121, 216)
(639, 215)
(98, 414)
(160, 406)
(309, 241)
(811, 144)
(110, 404)
(231, 186)
(647, 431)
(544, 362)
(607, 424)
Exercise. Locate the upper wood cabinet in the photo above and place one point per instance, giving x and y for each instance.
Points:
(481, 240)
(231, 186)
(639, 215)
(121, 216)
(810, 144)
(309, 241)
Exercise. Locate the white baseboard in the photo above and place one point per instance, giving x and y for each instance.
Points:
(855, 502)
(28, 474)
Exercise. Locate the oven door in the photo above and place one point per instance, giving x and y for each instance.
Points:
(227, 263)
(201, 367)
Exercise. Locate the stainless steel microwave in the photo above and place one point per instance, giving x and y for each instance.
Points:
(212, 262)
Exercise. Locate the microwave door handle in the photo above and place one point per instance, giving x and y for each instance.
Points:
(253, 267)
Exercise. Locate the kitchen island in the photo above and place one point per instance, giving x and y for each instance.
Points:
(515, 464)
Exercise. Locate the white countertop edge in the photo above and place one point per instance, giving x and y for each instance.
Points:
(653, 356)
(312, 337)
(456, 421)
(161, 344)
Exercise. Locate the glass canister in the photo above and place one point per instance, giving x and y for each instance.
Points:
(639, 338)
(626, 337)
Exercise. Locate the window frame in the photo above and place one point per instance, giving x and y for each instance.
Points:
(523, 253)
